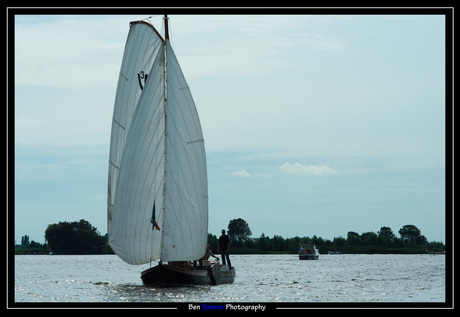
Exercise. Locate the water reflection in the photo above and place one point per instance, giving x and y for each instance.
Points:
(164, 293)
(269, 278)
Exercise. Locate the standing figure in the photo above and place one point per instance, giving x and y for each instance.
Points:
(223, 247)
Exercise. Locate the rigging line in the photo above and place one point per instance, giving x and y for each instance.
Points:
(148, 19)
(162, 24)
(170, 36)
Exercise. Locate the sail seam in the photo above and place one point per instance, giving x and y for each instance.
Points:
(119, 124)
(195, 141)
(114, 165)
(123, 75)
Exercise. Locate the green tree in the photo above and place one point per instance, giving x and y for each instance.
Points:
(25, 241)
(278, 243)
(353, 238)
(369, 238)
(293, 244)
(78, 237)
(212, 241)
(238, 232)
(263, 243)
(338, 241)
(34, 244)
(317, 240)
(386, 236)
(411, 235)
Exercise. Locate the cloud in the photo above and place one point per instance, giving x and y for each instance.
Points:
(241, 173)
(297, 169)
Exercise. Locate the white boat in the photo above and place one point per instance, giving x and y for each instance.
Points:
(157, 180)
(308, 252)
(335, 252)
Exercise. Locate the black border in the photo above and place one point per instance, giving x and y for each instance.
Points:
(447, 11)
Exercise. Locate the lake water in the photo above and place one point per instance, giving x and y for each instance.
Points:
(259, 278)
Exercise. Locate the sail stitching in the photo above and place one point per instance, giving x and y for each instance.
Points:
(188, 105)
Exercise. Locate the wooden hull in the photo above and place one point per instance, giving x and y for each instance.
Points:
(165, 274)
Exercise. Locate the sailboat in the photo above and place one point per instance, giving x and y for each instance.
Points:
(157, 182)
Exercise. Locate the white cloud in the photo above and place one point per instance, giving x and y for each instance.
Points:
(297, 168)
(241, 173)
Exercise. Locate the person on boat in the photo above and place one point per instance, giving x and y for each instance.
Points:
(223, 247)
(207, 255)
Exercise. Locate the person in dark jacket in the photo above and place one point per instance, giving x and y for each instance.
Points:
(223, 247)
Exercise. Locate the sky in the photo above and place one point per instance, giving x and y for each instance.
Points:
(313, 124)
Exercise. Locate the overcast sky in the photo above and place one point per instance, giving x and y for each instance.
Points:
(314, 124)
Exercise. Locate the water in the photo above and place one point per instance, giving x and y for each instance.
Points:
(259, 278)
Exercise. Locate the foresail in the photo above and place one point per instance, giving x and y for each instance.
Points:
(137, 147)
(186, 200)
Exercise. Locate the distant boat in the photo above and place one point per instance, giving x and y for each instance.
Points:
(308, 252)
(157, 183)
(335, 252)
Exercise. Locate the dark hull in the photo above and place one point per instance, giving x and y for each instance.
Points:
(308, 256)
(165, 274)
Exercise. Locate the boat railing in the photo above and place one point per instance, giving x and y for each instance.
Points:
(209, 262)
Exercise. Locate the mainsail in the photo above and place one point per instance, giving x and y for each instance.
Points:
(157, 183)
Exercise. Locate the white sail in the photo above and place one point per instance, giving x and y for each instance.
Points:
(186, 201)
(157, 204)
(142, 46)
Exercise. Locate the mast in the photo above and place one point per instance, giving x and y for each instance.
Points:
(166, 27)
(165, 93)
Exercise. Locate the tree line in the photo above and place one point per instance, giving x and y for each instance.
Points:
(80, 237)
(410, 240)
